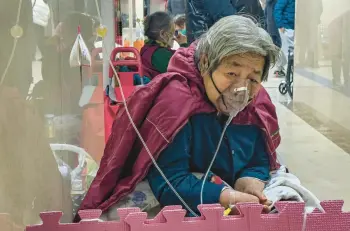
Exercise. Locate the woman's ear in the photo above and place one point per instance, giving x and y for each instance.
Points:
(162, 34)
(203, 64)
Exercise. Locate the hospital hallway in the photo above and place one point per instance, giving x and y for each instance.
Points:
(96, 97)
(315, 134)
(315, 126)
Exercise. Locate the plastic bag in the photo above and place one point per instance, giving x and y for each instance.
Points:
(79, 51)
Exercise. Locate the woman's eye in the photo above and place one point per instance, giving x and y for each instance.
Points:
(231, 74)
(254, 81)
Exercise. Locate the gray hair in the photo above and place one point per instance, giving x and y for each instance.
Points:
(235, 35)
(180, 20)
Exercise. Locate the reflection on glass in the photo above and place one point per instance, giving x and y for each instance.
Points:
(322, 35)
(339, 49)
(42, 167)
(321, 86)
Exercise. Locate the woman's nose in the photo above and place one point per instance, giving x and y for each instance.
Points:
(246, 72)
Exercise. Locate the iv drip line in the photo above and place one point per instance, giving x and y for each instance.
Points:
(15, 29)
(138, 133)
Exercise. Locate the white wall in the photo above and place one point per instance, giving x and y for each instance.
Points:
(333, 9)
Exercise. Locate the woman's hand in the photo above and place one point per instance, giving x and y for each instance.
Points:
(253, 187)
(230, 197)
(181, 39)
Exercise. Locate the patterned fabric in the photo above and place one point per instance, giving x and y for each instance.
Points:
(285, 14)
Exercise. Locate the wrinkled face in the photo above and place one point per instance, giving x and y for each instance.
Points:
(244, 68)
(168, 36)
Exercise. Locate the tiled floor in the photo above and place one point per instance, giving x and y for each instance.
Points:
(321, 165)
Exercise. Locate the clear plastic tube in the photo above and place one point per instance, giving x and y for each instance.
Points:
(228, 122)
(15, 41)
(215, 154)
(139, 135)
(147, 149)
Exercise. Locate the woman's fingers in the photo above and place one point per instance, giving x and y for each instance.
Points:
(235, 211)
(267, 203)
(245, 197)
(181, 39)
(266, 209)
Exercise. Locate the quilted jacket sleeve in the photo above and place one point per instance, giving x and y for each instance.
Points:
(278, 13)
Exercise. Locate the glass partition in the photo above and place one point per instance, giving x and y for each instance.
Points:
(51, 93)
(321, 95)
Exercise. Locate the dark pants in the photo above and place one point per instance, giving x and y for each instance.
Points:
(277, 40)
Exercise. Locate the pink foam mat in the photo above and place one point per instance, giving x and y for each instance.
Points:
(290, 217)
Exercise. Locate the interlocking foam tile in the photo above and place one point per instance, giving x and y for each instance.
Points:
(172, 218)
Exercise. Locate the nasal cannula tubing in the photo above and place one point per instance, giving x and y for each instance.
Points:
(145, 145)
(215, 154)
(230, 118)
(139, 135)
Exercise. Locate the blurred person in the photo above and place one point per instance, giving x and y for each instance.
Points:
(180, 27)
(176, 7)
(339, 34)
(30, 181)
(156, 53)
(180, 23)
(202, 14)
(285, 20)
(62, 84)
(62, 8)
(41, 16)
(271, 23)
(308, 19)
(252, 8)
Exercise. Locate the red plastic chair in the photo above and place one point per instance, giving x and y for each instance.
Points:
(113, 98)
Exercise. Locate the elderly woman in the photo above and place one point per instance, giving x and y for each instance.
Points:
(214, 80)
(157, 52)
